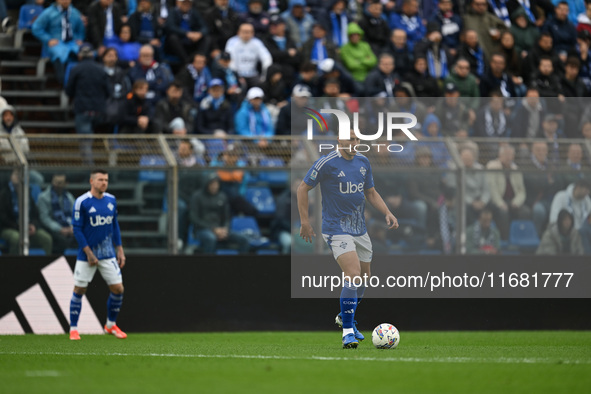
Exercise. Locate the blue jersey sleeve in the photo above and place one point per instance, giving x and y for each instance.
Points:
(314, 173)
(78, 218)
(369, 177)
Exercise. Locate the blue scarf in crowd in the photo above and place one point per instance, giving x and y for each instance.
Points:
(442, 61)
(318, 51)
(252, 121)
(339, 29)
(527, 8)
(479, 55)
(146, 27)
(62, 213)
(201, 81)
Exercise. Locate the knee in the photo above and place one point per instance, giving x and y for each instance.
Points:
(80, 290)
(117, 288)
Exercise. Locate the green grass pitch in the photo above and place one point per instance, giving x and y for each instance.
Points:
(298, 362)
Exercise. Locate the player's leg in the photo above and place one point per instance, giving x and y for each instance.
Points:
(349, 263)
(111, 273)
(83, 274)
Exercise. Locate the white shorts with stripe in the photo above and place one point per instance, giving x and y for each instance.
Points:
(343, 243)
(109, 269)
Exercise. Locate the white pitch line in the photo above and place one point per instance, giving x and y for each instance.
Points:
(459, 360)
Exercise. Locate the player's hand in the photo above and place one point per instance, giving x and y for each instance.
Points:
(53, 42)
(391, 221)
(120, 257)
(307, 232)
(92, 260)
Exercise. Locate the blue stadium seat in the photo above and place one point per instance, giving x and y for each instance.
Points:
(248, 226)
(36, 252)
(523, 234)
(226, 252)
(158, 176)
(214, 147)
(71, 252)
(267, 252)
(262, 199)
(35, 191)
(273, 178)
(28, 14)
(431, 252)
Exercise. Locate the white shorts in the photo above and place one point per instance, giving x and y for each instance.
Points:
(109, 269)
(344, 243)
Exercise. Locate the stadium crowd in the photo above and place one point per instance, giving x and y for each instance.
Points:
(490, 69)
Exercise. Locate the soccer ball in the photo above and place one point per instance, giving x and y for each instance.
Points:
(385, 336)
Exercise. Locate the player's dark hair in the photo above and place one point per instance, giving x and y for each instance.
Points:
(99, 171)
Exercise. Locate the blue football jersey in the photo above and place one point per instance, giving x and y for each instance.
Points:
(95, 225)
(342, 183)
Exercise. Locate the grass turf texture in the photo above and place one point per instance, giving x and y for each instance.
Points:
(272, 362)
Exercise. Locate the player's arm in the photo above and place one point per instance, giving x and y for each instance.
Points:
(374, 198)
(117, 241)
(77, 221)
(306, 231)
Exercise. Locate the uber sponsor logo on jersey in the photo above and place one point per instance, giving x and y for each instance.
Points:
(351, 188)
(99, 220)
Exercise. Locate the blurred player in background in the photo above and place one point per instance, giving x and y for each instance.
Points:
(346, 181)
(99, 246)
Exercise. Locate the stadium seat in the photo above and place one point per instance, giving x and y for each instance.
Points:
(192, 242)
(248, 226)
(273, 178)
(214, 147)
(152, 175)
(262, 199)
(35, 192)
(36, 252)
(523, 234)
(226, 252)
(267, 252)
(71, 252)
(431, 252)
(28, 14)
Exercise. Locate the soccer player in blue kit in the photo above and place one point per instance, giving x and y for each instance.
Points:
(346, 181)
(99, 246)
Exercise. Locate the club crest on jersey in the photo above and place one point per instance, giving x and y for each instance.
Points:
(110, 206)
(313, 175)
(362, 170)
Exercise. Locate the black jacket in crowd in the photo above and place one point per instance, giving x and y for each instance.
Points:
(88, 86)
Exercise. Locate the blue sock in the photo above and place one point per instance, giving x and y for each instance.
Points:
(360, 293)
(75, 308)
(113, 306)
(348, 304)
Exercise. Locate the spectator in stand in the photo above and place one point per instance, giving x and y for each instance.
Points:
(383, 78)
(575, 199)
(435, 52)
(257, 17)
(9, 125)
(233, 84)
(296, 125)
(104, 24)
(423, 84)
(507, 190)
(136, 113)
(55, 205)
(466, 83)
(491, 121)
(512, 57)
(277, 92)
(574, 89)
(375, 26)
(333, 70)
(119, 86)
(573, 8)
(246, 51)
(584, 19)
(318, 47)
(405, 102)
(253, 118)
(210, 216)
(190, 181)
(398, 48)
(445, 238)
(196, 77)
(186, 33)
(9, 218)
(540, 185)
(471, 50)
(425, 190)
(482, 237)
(456, 118)
(561, 238)
(157, 75)
(573, 165)
(585, 233)
(222, 22)
(524, 31)
(282, 48)
(488, 27)
(174, 108)
(546, 80)
(563, 32)
(336, 21)
(215, 115)
(496, 78)
(61, 30)
(128, 50)
(450, 25)
(299, 22)
(281, 223)
(88, 86)
(144, 25)
(527, 118)
(356, 54)
(308, 76)
(582, 51)
(409, 21)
